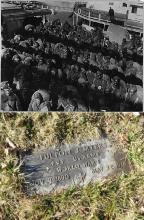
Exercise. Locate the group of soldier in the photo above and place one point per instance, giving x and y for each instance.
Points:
(40, 73)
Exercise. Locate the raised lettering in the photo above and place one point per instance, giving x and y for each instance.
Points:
(97, 170)
(59, 169)
(120, 164)
(45, 156)
(62, 177)
(75, 158)
(49, 179)
(88, 164)
(57, 163)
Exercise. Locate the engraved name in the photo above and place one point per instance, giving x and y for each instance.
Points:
(61, 153)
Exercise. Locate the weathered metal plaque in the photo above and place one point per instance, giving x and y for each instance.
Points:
(58, 168)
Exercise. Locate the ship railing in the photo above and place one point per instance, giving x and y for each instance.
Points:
(92, 14)
(98, 15)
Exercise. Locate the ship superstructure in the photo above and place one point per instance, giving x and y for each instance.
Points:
(127, 13)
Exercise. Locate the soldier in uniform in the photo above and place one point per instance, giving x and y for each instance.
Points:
(90, 77)
(9, 100)
(23, 79)
(134, 98)
(40, 101)
(97, 82)
(36, 100)
(118, 91)
(98, 88)
(66, 103)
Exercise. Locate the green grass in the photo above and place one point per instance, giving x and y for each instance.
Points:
(119, 198)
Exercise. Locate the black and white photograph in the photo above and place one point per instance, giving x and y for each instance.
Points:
(63, 55)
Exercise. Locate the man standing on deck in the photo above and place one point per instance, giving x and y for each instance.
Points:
(111, 14)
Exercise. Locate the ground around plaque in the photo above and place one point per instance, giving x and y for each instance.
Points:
(120, 197)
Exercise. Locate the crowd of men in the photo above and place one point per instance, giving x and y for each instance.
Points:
(55, 67)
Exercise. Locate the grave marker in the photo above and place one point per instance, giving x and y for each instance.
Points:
(55, 169)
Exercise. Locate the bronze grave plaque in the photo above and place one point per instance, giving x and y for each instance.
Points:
(58, 168)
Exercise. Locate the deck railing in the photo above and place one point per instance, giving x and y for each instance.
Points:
(98, 14)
